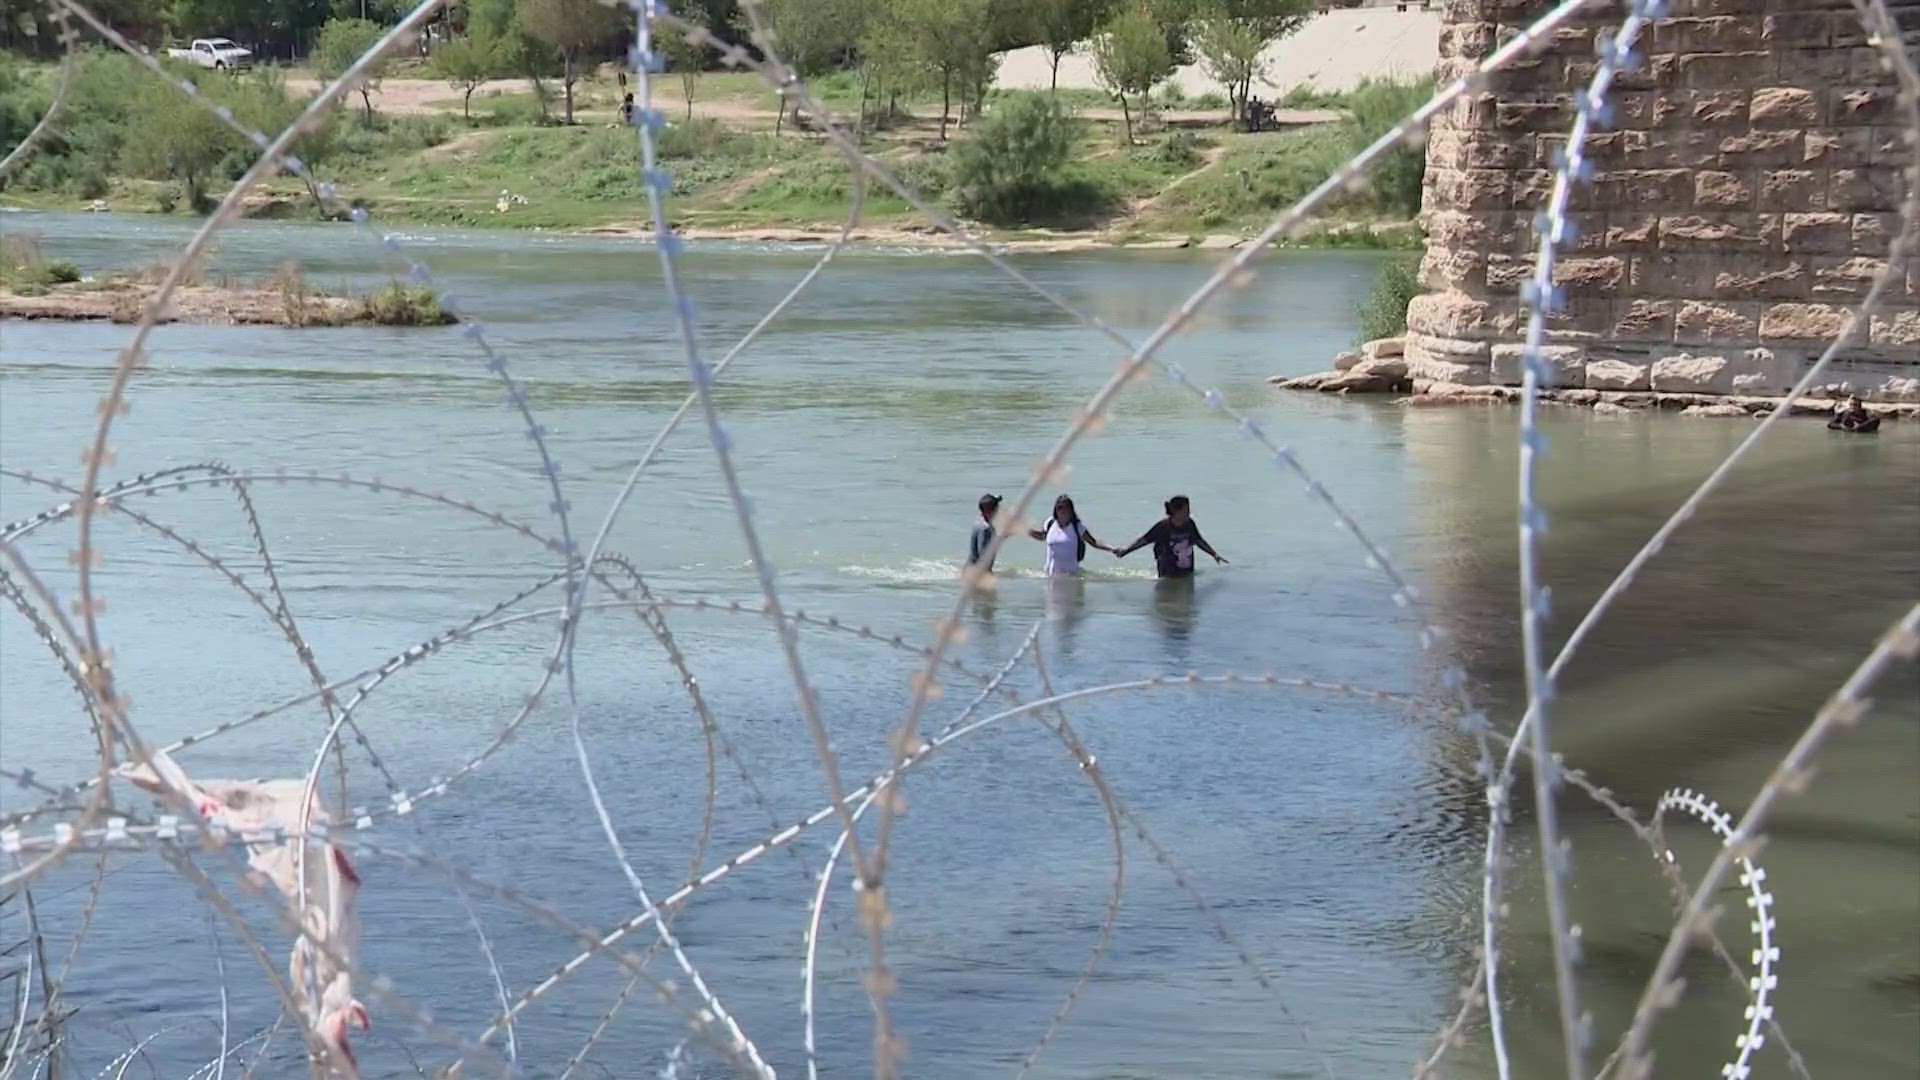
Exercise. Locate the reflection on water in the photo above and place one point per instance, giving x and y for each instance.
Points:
(1339, 839)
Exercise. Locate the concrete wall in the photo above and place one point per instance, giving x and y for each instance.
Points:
(1743, 200)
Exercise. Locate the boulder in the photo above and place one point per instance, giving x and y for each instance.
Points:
(1219, 242)
(1358, 382)
(1305, 382)
(1579, 397)
(1383, 347)
(1608, 408)
(1722, 409)
(1617, 375)
(1346, 360)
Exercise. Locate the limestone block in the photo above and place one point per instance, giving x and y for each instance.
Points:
(1783, 107)
(1652, 188)
(1633, 231)
(1720, 33)
(1872, 232)
(1869, 188)
(1608, 408)
(1897, 329)
(1822, 233)
(1772, 278)
(1802, 321)
(1471, 189)
(1380, 348)
(1714, 410)
(1690, 374)
(1645, 320)
(1792, 189)
(1763, 371)
(1717, 190)
(1590, 277)
(1446, 360)
(1835, 149)
(1346, 360)
(1448, 315)
(1566, 364)
(1845, 277)
(1798, 30)
(1728, 232)
(1867, 105)
(1761, 148)
(1612, 374)
(1713, 70)
(1710, 321)
(1390, 368)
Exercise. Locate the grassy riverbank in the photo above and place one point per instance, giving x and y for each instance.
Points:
(738, 165)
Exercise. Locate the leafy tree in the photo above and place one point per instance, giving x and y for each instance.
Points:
(173, 137)
(1014, 160)
(950, 41)
(1131, 57)
(572, 27)
(467, 63)
(344, 41)
(1230, 35)
(683, 57)
(490, 16)
(814, 37)
(1062, 24)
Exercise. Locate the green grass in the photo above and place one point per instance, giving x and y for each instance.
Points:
(1384, 313)
(25, 269)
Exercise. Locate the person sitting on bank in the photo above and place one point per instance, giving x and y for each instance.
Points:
(1173, 538)
(1853, 416)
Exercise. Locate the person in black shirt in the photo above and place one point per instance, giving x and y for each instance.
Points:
(1173, 538)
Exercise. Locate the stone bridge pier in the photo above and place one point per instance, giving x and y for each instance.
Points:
(1743, 198)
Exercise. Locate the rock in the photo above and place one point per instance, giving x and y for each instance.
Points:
(1687, 373)
(1579, 397)
(1346, 360)
(1383, 347)
(1608, 408)
(1219, 242)
(1617, 375)
(1462, 391)
(1630, 400)
(1722, 409)
(1358, 382)
(1446, 360)
(1897, 389)
(1386, 367)
(1305, 382)
(1566, 364)
(1160, 245)
(1684, 401)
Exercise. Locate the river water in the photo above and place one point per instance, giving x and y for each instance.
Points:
(1338, 839)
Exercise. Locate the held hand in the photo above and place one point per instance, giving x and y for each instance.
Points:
(1220, 560)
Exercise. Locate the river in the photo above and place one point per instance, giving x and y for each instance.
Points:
(1337, 838)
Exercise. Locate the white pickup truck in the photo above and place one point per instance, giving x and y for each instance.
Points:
(218, 53)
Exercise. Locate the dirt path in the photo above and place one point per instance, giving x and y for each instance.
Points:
(1209, 157)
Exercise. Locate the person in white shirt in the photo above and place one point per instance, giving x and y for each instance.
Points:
(1067, 539)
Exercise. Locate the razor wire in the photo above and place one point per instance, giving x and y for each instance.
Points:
(80, 646)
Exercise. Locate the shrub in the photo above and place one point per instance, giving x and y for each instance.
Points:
(1384, 313)
(26, 270)
(398, 304)
(1180, 150)
(1013, 163)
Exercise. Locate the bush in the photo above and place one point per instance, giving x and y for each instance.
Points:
(1180, 150)
(397, 304)
(1384, 313)
(26, 270)
(1013, 163)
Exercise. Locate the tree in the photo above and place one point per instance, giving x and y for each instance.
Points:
(173, 137)
(344, 41)
(683, 57)
(1131, 57)
(1062, 24)
(572, 27)
(950, 40)
(1230, 35)
(467, 63)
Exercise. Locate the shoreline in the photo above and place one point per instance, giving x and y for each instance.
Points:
(1340, 235)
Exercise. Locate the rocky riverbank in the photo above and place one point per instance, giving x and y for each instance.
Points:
(1380, 367)
(282, 303)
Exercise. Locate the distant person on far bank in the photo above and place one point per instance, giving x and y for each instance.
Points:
(1173, 538)
(982, 538)
(1853, 416)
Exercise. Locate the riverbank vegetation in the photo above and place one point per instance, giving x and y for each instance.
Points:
(514, 120)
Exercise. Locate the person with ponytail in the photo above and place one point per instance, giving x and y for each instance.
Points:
(1173, 538)
(1067, 539)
